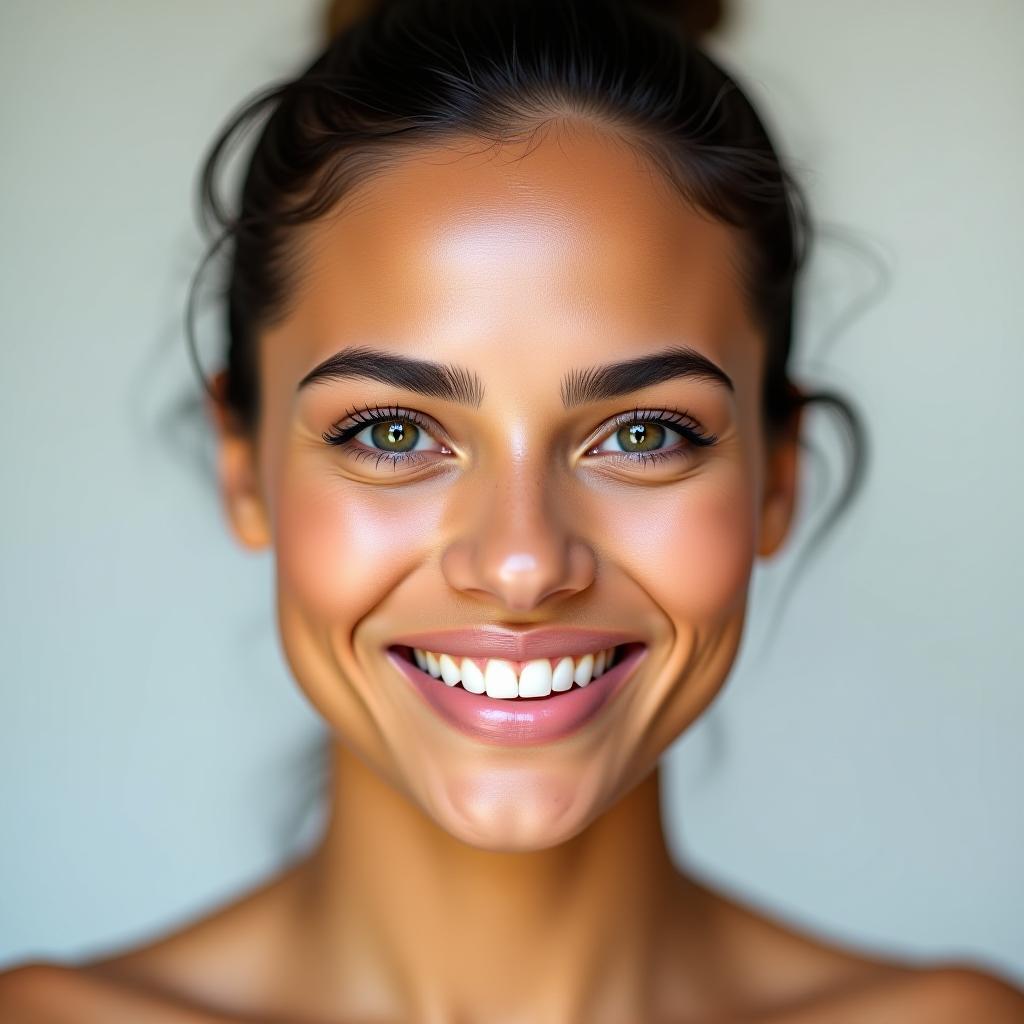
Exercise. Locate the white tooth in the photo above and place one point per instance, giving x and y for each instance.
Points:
(584, 670)
(433, 665)
(421, 658)
(609, 661)
(500, 679)
(472, 677)
(449, 669)
(535, 679)
(561, 678)
(599, 660)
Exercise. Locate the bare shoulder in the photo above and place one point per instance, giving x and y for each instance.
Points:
(32, 993)
(41, 992)
(959, 991)
(186, 975)
(787, 972)
(947, 993)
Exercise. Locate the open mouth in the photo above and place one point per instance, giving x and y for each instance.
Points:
(539, 679)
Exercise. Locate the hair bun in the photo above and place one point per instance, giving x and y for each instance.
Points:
(697, 17)
(342, 13)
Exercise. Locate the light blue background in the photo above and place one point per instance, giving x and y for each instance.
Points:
(862, 777)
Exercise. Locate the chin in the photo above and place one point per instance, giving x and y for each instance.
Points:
(515, 810)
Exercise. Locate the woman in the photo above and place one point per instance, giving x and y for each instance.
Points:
(507, 393)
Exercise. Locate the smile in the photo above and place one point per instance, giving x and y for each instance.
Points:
(502, 679)
(518, 702)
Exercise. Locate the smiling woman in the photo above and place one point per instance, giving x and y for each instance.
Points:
(510, 308)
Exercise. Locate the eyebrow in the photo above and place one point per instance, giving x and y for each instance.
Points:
(613, 379)
(436, 380)
(463, 386)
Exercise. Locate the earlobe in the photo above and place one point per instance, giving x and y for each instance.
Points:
(249, 521)
(780, 492)
(237, 472)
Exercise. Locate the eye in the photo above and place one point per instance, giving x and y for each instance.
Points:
(392, 435)
(398, 435)
(641, 437)
(647, 436)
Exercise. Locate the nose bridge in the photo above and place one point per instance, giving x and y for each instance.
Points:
(517, 544)
(522, 513)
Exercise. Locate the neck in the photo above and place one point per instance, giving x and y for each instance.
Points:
(408, 921)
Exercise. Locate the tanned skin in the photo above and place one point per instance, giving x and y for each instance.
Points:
(461, 881)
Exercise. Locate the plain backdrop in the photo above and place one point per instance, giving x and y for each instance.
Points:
(860, 776)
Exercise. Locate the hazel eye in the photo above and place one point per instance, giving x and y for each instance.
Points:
(396, 435)
(644, 437)
(385, 434)
(639, 437)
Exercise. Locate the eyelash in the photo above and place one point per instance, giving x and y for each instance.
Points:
(357, 420)
(681, 422)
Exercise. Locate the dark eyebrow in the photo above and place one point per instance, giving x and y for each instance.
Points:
(614, 379)
(436, 380)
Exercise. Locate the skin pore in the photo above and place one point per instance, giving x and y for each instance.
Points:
(458, 880)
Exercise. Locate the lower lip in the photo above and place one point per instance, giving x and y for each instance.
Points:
(522, 720)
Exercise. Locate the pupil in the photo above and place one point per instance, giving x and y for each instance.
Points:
(641, 437)
(395, 436)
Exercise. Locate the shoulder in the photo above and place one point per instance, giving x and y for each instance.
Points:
(41, 992)
(214, 960)
(789, 973)
(36, 992)
(947, 993)
(21, 990)
(966, 992)
(176, 977)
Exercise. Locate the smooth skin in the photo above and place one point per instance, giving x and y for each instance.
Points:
(458, 881)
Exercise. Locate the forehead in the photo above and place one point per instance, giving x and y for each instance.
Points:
(565, 245)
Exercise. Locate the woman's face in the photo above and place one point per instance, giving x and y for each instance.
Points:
(521, 491)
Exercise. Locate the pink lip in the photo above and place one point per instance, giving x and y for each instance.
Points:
(517, 646)
(519, 721)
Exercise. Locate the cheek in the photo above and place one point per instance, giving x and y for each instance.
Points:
(694, 550)
(341, 548)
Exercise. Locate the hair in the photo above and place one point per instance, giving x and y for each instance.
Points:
(400, 74)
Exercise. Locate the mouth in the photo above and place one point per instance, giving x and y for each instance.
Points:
(501, 701)
(504, 679)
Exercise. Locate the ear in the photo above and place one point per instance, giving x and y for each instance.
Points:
(780, 484)
(237, 471)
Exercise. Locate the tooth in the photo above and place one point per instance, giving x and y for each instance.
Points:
(500, 679)
(584, 670)
(561, 678)
(535, 679)
(599, 660)
(472, 677)
(421, 658)
(433, 665)
(610, 660)
(449, 669)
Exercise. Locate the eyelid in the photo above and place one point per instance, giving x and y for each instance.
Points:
(355, 420)
(677, 419)
(346, 429)
(598, 448)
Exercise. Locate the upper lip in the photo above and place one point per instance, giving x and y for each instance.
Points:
(517, 646)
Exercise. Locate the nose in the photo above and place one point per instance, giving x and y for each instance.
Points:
(515, 548)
